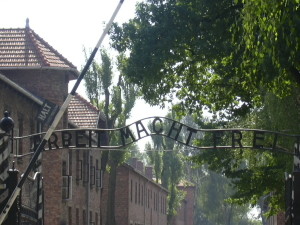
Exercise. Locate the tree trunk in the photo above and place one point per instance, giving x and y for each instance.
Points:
(229, 214)
(111, 194)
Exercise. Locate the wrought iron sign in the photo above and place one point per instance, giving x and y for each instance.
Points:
(184, 134)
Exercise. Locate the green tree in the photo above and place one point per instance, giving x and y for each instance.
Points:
(118, 100)
(211, 53)
(212, 189)
(258, 173)
(167, 167)
(155, 158)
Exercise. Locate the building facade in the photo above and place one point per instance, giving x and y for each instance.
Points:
(139, 200)
(278, 219)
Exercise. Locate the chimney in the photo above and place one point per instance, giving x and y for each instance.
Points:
(140, 166)
(149, 172)
(133, 162)
(27, 23)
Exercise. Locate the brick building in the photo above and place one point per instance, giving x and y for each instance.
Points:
(32, 71)
(139, 200)
(185, 215)
(278, 219)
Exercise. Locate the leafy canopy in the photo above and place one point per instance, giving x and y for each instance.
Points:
(212, 53)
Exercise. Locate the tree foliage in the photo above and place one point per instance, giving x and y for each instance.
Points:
(118, 100)
(237, 57)
(213, 189)
(167, 167)
(211, 53)
(258, 174)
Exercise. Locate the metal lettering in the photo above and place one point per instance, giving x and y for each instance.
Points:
(66, 138)
(143, 129)
(53, 140)
(238, 140)
(257, 137)
(217, 135)
(219, 138)
(173, 128)
(79, 135)
(191, 132)
(157, 119)
(125, 133)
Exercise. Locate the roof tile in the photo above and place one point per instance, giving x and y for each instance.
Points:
(82, 113)
(24, 48)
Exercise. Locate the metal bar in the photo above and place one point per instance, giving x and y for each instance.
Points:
(56, 120)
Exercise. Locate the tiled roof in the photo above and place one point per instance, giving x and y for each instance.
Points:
(82, 113)
(23, 48)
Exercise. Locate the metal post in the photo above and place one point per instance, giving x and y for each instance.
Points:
(8, 179)
(296, 187)
(288, 199)
(13, 215)
(296, 198)
(39, 203)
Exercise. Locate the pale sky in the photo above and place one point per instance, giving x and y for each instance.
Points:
(70, 25)
(67, 25)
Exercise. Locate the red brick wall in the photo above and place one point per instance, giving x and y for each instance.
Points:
(132, 190)
(48, 84)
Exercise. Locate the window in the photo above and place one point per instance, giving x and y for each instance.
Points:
(77, 216)
(161, 204)
(67, 165)
(96, 218)
(154, 202)
(85, 168)
(92, 172)
(99, 175)
(91, 218)
(165, 205)
(142, 200)
(70, 162)
(67, 187)
(157, 202)
(64, 168)
(148, 198)
(70, 215)
(78, 167)
(83, 217)
(131, 190)
(139, 194)
(135, 199)
(145, 196)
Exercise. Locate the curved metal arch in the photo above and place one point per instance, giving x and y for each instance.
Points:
(138, 130)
